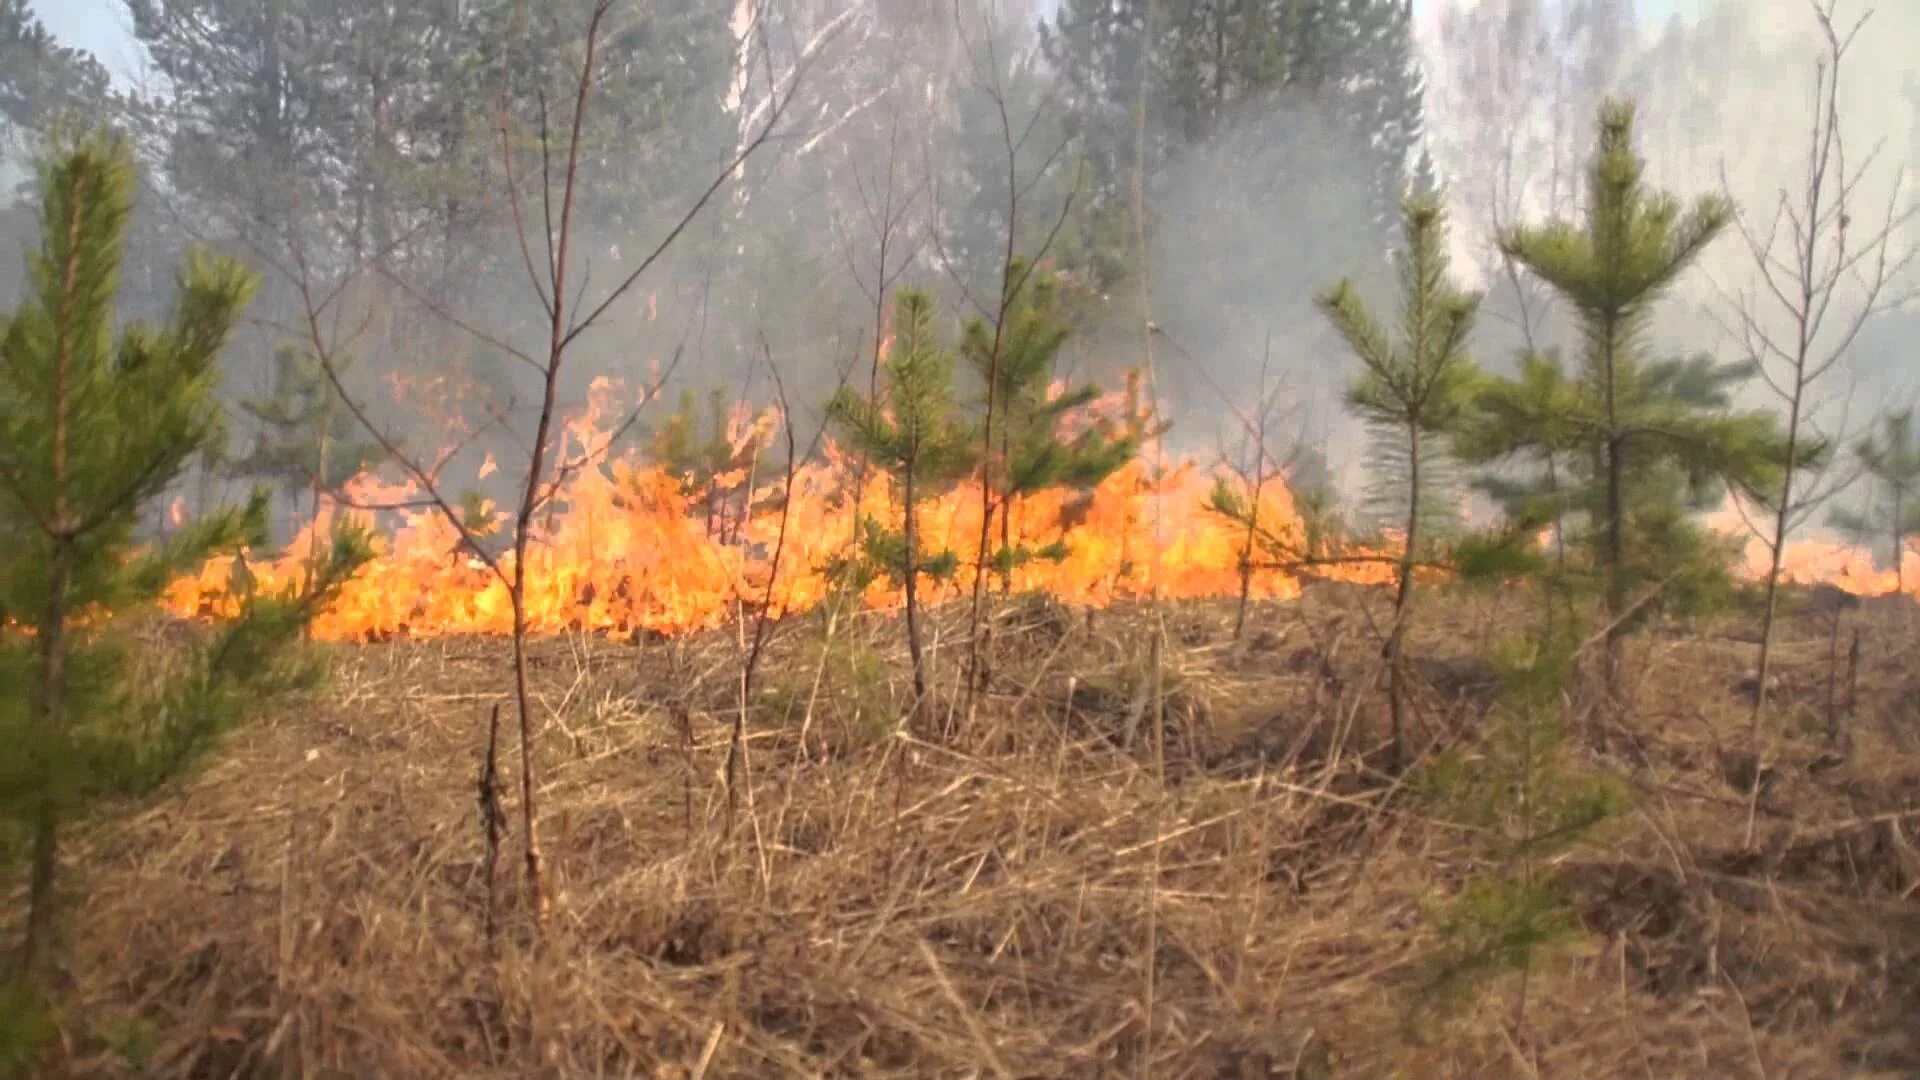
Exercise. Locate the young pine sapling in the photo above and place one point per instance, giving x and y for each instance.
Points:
(1033, 448)
(1890, 459)
(911, 431)
(1651, 440)
(93, 431)
(1413, 392)
(1528, 804)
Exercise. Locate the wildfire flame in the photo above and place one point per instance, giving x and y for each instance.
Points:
(1817, 561)
(624, 545)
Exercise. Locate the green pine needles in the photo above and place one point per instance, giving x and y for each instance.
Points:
(1528, 804)
(308, 441)
(1890, 459)
(701, 454)
(1413, 392)
(93, 430)
(1029, 452)
(912, 431)
(1620, 451)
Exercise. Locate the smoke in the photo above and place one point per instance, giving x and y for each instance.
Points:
(893, 138)
(1250, 226)
(1726, 103)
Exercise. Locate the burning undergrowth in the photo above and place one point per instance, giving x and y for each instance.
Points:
(1008, 904)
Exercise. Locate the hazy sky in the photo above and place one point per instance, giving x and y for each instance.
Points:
(100, 26)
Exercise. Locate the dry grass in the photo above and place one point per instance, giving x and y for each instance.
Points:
(311, 905)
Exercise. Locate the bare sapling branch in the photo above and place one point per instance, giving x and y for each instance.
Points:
(1819, 280)
(771, 612)
(565, 324)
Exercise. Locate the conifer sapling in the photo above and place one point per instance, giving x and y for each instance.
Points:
(1032, 452)
(93, 431)
(1649, 441)
(1412, 392)
(912, 432)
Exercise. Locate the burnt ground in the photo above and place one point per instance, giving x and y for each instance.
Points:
(1058, 891)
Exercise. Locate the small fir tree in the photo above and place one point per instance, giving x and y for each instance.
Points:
(1686, 446)
(1528, 804)
(703, 459)
(308, 442)
(913, 433)
(1031, 451)
(1412, 392)
(1890, 459)
(93, 430)
(1645, 435)
(1532, 422)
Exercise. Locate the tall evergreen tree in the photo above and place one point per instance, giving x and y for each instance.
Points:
(92, 431)
(913, 432)
(369, 132)
(1412, 392)
(1387, 98)
(1646, 440)
(1212, 64)
(1890, 458)
(40, 79)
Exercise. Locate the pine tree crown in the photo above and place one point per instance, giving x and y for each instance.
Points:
(1415, 385)
(911, 430)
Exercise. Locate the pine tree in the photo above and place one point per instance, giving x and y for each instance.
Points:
(1214, 67)
(93, 430)
(1031, 450)
(1412, 392)
(40, 79)
(1890, 458)
(913, 433)
(1532, 420)
(703, 458)
(1387, 99)
(1646, 434)
(1528, 803)
(308, 442)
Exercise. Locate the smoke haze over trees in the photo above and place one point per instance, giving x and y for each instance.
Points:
(362, 143)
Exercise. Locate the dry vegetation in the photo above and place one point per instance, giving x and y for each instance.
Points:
(312, 904)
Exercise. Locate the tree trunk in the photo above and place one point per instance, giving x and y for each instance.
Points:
(1899, 543)
(1403, 605)
(1780, 522)
(1616, 506)
(910, 566)
(48, 741)
(536, 881)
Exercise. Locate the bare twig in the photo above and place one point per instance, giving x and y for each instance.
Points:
(1825, 287)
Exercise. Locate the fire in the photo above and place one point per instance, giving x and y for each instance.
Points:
(623, 545)
(1822, 561)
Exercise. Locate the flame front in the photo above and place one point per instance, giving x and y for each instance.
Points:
(1821, 562)
(624, 545)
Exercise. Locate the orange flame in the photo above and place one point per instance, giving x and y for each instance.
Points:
(622, 547)
(1821, 561)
